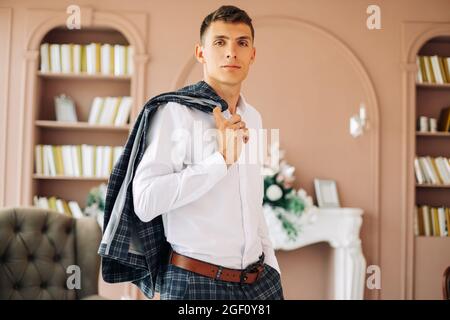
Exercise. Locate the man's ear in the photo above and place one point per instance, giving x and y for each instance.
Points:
(252, 59)
(199, 53)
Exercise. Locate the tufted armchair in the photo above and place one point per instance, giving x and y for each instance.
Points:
(36, 248)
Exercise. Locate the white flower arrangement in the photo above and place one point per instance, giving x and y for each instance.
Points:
(285, 208)
(96, 203)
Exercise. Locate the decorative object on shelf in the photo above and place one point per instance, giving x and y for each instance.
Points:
(359, 123)
(65, 109)
(285, 209)
(326, 193)
(95, 204)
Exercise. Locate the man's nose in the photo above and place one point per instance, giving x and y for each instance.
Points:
(231, 52)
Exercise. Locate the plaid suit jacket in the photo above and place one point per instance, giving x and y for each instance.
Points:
(132, 250)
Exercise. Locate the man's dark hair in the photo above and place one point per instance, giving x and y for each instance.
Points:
(229, 14)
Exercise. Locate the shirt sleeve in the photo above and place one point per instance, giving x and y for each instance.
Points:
(160, 184)
(263, 232)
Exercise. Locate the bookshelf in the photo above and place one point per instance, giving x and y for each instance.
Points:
(82, 88)
(431, 254)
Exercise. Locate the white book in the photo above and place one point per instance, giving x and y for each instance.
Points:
(116, 154)
(418, 171)
(75, 161)
(91, 58)
(107, 59)
(45, 57)
(75, 209)
(46, 162)
(99, 161)
(55, 58)
(441, 217)
(51, 160)
(130, 60)
(67, 160)
(419, 77)
(105, 111)
(431, 172)
(107, 159)
(424, 170)
(76, 58)
(35, 201)
(119, 60)
(66, 58)
(38, 159)
(436, 69)
(440, 163)
(110, 106)
(426, 220)
(59, 206)
(124, 111)
(96, 109)
(86, 156)
(446, 162)
(43, 203)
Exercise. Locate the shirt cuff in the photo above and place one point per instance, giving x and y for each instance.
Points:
(271, 259)
(215, 166)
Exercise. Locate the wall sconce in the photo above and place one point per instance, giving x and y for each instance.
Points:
(359, 123)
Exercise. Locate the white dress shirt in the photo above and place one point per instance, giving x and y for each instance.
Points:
(210, 212)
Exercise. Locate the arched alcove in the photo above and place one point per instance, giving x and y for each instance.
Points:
(418, 258)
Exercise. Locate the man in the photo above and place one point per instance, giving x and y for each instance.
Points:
(210, 203)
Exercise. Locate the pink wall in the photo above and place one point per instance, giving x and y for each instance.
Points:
(315, 62)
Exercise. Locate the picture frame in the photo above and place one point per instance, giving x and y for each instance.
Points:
(326, 193)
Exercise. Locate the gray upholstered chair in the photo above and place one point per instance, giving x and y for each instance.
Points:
(37, 247)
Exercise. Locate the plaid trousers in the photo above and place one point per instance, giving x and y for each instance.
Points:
(181, 284)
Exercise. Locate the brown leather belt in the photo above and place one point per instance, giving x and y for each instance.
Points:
(249, 275)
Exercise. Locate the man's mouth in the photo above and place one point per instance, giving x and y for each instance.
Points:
(231, 66)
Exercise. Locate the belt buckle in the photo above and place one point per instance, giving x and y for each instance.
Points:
(257, 267)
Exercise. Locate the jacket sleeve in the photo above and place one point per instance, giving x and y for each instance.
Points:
(160, 184)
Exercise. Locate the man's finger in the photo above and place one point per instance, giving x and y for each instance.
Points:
(236, 126)
(217, 112)
(235, 118)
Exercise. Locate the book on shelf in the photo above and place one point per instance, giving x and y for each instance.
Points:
(430, 170)
(93, 58)
(110, 110)
(76, 160)
(444, 120)
(433, 69)
(70, 208)
(431, 221)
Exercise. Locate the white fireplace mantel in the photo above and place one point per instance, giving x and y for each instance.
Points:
(340, 228)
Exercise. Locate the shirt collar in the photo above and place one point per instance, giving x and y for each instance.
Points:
(241, 104)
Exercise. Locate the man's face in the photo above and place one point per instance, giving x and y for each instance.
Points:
(226, 53)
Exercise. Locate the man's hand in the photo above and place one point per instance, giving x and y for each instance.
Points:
(229, 135)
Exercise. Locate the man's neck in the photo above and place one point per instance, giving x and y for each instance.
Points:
(228, 93)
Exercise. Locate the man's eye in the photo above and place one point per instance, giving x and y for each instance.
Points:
(219, 43)
(244, 43)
